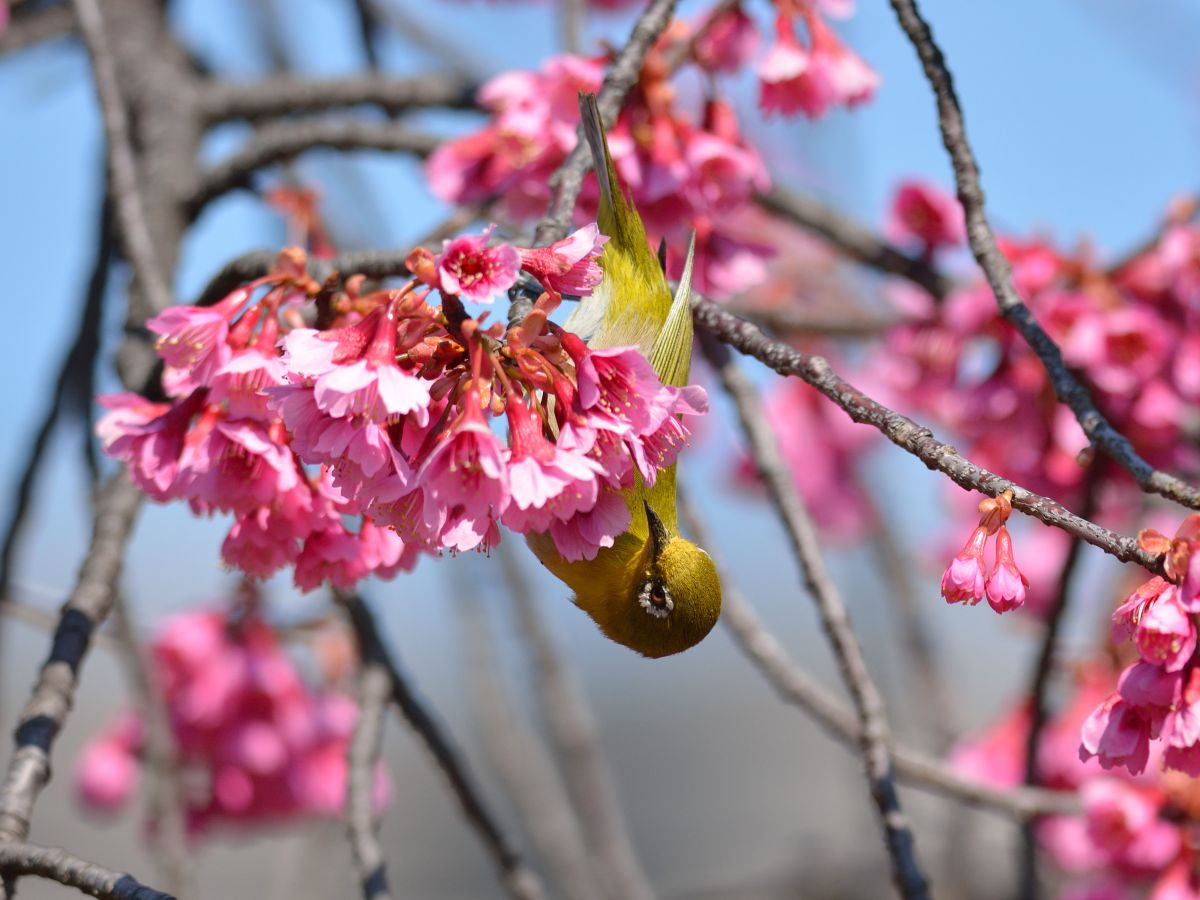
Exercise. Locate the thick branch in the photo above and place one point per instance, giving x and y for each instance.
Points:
(874, 735)
(852, 239)
(285, 95)
(54, 692)
(54, 864)
(622, 74)
(577, 742)
(998, 272)
(518, 879)
(281, 141)
(28, 29)
(124, 179)
(797, 687)
(907, 434)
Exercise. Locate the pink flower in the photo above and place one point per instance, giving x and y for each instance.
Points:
(997, 756)
(107, 770)
(472, 270)
(148, 438)
(1123, 822)
(1127, 616)
(620, 382)
(1118, 735)
(1165, 633)
(583, 535)
(922, 212)
(792, 78)
(568, 266)
(659, 449)
(963, 580)
(466, 467)
(1006, 587)
(546, 481)
(193, 341)
(729, 43)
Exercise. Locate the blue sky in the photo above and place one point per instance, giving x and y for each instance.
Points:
(1084, 117)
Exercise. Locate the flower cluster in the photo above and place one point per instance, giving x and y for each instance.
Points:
(1158, 696)
(966, 579)
(1132, 331)
(684, 171)
(254, 742)
(353, 447)
(812, 79)
(1134, 831)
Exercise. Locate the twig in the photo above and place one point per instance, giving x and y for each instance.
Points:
(161, 756)
(518, 879)
(1039, 684)
(72, 389)
(874, 738)
(853, 239)
(523, 763)
(54, 692)
(122, 164)
(57, 865)
(622, 74)
(907, 434)
(284, 140)
(998, 272)
(799, 689)
(577, 744)
(362, 759)
(32, 28)
(284, 95)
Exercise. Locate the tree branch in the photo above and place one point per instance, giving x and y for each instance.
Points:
(797, 687)
(998, 272)
(27, 29)
(577, 745)
(853, 239)
(54, 691)
(518, 879)
(285, 95)
(874, 736)
(362, 759)
(622, 74)
(907, 434)
(124, 179)
(284, 140)
(54, 864)
(161, 757)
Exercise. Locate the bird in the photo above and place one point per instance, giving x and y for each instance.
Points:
(652, 590)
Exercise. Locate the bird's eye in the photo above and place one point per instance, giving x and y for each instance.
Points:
(655, 599)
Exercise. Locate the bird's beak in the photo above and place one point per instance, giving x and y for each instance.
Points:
(659, 536)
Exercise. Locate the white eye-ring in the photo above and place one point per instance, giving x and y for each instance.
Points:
(655, 599)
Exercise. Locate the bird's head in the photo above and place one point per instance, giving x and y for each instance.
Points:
(669, 599)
